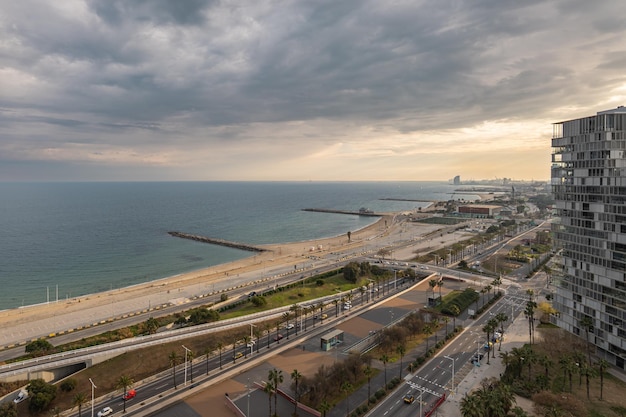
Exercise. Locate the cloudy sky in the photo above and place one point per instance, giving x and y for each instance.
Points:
(299, 90)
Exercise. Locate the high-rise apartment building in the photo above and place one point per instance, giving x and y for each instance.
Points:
(589, 187)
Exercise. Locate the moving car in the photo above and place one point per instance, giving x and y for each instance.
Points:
(21, 396)
(289, 326)
(237, 355)
(105, 412)
(129, 395)
(278, 337)
(408, 399)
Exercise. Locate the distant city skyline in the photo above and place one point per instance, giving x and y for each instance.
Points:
(111, 90)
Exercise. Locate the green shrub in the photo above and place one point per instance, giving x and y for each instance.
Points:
(223, 297)
(68, 385)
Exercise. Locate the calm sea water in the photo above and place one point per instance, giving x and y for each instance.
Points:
(81, 238)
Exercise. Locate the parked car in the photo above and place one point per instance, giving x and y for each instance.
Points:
(105, 412)
(278, 337)
(408, 399)
(129, 395)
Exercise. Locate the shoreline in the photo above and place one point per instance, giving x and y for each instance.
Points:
(167, 289)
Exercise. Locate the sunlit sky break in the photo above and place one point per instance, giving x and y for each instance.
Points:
(159, 90)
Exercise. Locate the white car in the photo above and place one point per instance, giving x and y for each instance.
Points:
(105, 412)
(20, 397)
(289, 326)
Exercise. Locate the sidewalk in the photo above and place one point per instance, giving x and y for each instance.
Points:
(515, 336)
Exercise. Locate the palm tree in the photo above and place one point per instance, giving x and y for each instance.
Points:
(427, 330)
(368, 373)
(488, 328)
(324, 407)
(587, 323)
(471, 406)
(276, 376)
(269, 390)
(494, 325)
(546, 362)
(124, 382)
(385, 359)
(432, 284)
(78, 401)
(207, 352)
(602, 366)
(446, 320)
(455, 310)
(362, 291)
(401, 350)
(529, 312)
(530, 357)
(268, 327)
(173, 357)
(439, 285)
(220, 346)
(589, 372)
(346, 387)
(246, 341)
(483, 291)
(190, 356)
(296, 377)
(501, 318)
(295, 309)
(435, 323)
(336, 303)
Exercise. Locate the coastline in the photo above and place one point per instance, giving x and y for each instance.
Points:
(180, 287)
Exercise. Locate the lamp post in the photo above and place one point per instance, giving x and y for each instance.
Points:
(186, 353)
(452, 359)
(248, 413)
(93, 387)
(251, 339)
(420, 400)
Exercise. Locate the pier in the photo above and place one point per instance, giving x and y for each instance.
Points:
(221, 242)
(355, 213)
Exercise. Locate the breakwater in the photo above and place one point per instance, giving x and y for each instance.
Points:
(357, 213)
(220, 242)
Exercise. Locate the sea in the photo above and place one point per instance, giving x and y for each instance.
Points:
(63, 240)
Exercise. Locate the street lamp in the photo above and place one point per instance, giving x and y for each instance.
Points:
(248, 413)
(448, 357)
(420, 399)
(187, 351)
(93, 387)
(251, 339)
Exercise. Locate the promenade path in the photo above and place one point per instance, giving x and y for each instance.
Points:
(21, 325)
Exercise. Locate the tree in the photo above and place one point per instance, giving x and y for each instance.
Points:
(336, 302)
(41, 395)
(471, 406)
(385, 359)
(501, 318)
(351, 272)
(38, 347)
(151, 325)
(427, 330)
(349, 236)
(401, 350)
(439, 285)
(455, 310)
(368, 373)
(124, 382)
(190, 356)
(324, 407)
(174, 358)
(488, 329)
(432, 284)
(8, 409)
(207, 354)
(296, 377)
(78, 401)
(529, 313)
(220, 346)
(269, 390)
(602, 366)
(346, 387)
(276, 376)
(587, 323)
(446, 320)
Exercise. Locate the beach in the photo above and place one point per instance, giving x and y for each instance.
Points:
(27, 323)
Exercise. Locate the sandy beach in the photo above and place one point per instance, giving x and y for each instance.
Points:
(24, 324)
(65, 315)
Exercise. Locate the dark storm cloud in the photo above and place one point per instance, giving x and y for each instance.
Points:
(203, 73)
